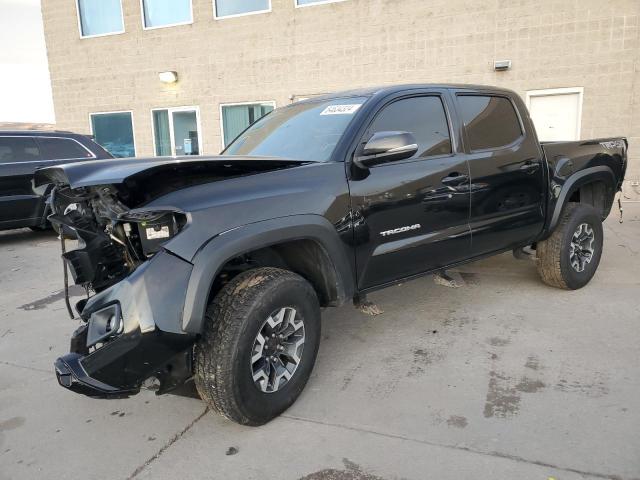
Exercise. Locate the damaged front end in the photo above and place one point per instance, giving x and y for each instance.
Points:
(131, 317)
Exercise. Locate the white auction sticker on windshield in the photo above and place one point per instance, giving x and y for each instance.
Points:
(341, 109)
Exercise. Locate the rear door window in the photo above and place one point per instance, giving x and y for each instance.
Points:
(62, 149)
(424, 117)
(490, 122)
(18, 149)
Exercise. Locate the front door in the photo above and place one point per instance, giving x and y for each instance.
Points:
(411, 216)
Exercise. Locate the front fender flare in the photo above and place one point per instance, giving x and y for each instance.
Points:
(219, 250)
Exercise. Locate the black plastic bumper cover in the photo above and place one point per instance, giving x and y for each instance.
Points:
(145, 342)
(71, 375)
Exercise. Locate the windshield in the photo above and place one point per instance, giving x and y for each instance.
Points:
(302, 131)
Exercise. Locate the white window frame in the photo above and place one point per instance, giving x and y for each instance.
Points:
(548, 92)
(238, 104)
(78, 15)
(170, 110)
(236, 15)
(323, 2)
(133, 127)
(144, 26)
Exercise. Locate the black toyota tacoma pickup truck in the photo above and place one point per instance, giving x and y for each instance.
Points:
(217, 268)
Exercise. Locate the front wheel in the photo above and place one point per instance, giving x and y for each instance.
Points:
(259, 345)
(570, 257)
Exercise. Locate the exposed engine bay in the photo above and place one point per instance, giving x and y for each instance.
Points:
(112, 239)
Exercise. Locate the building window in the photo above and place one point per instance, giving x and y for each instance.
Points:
(234, 8)
(306, 3)
(176, 131)
(237, 117)
(99, 17)
(114, 131)
(490, 122)
(166, 13)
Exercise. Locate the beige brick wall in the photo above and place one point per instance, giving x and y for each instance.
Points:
(553, 43)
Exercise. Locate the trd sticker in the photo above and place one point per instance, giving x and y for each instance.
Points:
(341, 109)
(613, 144)
(386, 233)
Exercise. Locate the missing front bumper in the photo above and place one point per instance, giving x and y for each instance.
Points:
(133, 332)
(119, 368)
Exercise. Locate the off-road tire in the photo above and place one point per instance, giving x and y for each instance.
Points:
(554, 265)
(222, 367)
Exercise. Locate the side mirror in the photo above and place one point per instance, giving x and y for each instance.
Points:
(386, 147)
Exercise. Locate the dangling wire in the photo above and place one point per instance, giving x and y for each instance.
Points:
(66, 274)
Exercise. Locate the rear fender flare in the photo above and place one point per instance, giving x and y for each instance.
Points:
(574, 182)
(219, 250)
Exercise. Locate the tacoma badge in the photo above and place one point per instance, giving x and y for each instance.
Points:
(401, 230)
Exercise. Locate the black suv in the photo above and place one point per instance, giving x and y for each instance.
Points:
(21, 153)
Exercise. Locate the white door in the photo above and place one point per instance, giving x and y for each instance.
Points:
(556, 113)
(176, 131)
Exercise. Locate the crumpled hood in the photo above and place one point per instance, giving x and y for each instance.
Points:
(121, 170)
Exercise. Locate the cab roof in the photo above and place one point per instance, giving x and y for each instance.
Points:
(391, 89)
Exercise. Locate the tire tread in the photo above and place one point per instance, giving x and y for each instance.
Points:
(549, 252)
(214, 353)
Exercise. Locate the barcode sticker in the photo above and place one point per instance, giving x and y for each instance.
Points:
(341, 109)
(153, 234)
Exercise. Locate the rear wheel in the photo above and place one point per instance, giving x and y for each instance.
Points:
(570, 257)
(259, 345)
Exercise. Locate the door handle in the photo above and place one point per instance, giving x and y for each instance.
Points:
(455, 179)
(530, 167)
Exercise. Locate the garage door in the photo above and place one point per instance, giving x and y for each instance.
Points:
(556, 113)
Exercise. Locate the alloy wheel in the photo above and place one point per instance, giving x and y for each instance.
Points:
(581, 249)
(277, 349)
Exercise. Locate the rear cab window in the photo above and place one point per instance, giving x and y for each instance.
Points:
(18, 149)
(490, 121)
(424, 117)
(53, 148)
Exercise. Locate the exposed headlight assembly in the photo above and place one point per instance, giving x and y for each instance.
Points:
(154, 228)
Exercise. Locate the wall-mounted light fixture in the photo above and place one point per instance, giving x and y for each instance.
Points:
(502, 65)
(168, 77)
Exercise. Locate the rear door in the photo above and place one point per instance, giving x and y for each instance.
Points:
(507, 174)
(19, 158)
(411, 216)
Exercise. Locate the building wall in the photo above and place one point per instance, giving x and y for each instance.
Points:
(301, 51)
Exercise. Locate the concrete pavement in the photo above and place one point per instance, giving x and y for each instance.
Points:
(502, 378)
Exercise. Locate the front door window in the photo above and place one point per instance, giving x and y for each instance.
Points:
(176, 131)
